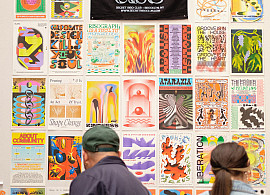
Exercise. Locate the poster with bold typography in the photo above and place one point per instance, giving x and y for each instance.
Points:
(28, 102)
(30, 9)
(205, 143)
(139, 49)
(138, 9)
(28, 159)
(211, 52)
(175, 103)
(211, 103)
(247, 103)
(175, 159)
(66, 42)
(175, 191)
(139, 103)
(212, 11)
(64, 157)
(247, 54)
(30, 48)
(57, 191)
(27, 191)
(255, 147)
(66, 9)
(103, 48)
(175, 49)
(247, 11)
(65, 103)
(139, 154)
(102, 102)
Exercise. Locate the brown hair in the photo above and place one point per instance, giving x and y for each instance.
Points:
(227, 159)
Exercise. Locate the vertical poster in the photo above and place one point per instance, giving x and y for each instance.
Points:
(247, 103)
(27, 191)
(103, 48)
(175, 49)
(28, 159)
(139, 103)
(30, 48)
(211, 52)
(30, 9)
(212, 11)
(139, 154)
(255, 147)
(102, 102)
(211, 103)
(66, 42)
(66, 9)
(175, 191)
(65, 103)
(28, 102)
(139, 49)
(247, 11)
(64, 157)
(175, 159)
(205, 143)
(247, 54)
(175, 103)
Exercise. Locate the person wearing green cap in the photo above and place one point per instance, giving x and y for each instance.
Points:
(105, 172)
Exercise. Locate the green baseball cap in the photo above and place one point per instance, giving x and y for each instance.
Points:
(100, 135)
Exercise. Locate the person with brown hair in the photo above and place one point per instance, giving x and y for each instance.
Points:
(231, 166)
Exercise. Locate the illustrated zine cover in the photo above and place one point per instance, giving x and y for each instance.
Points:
(66, 9)
(30, 9)
(175, 159)
(175, 49)
(175, 103)
(64, 157)
(28, 102)
(66, 42)
(103, 48)
(65, 103)
(211, 103)
(30, 47)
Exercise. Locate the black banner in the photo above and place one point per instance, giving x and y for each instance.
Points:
(138, 9)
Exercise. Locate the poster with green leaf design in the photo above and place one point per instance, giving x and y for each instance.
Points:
(247, 56)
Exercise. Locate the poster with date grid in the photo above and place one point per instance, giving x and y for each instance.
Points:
(65, 103)
(66, 9)
(30, 9)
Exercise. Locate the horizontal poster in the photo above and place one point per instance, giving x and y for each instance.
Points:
(27, 191)
(175, 191)
(66, 9)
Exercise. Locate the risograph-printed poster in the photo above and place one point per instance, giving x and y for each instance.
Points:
(175, 103)
(66, 42)
(66, 9)
(175, 159)
(247, 103)
(211, 103)
(175, 191)
(103, 48)
(175, 49)
(28, 102)
(27, 191)
(65, 103)
(139, 154)
(30, 9)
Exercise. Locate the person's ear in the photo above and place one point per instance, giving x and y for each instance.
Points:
(119, 154)
(85, 156)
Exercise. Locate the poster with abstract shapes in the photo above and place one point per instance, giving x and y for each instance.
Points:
(247, 51)
(211, 103)
(30, 47)
(30, 9)
(139, 48)
(27, 191)
(28, 102)
(102, 102)
(200, 191)
(57, 191)
(175, 159)
(175, 49)
(247, 11)
(247, 103)
(152, 191)
(103, 48)
(66, 9)
(139, 154)
(66, 42)
(65, 103)
(255, 148)
(64, 157)
(211, 51)
(212, 11)
(205, 143)
(175, 103)
(138, 103)
(175, 191)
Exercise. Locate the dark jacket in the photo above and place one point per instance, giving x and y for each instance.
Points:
(109, 176)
